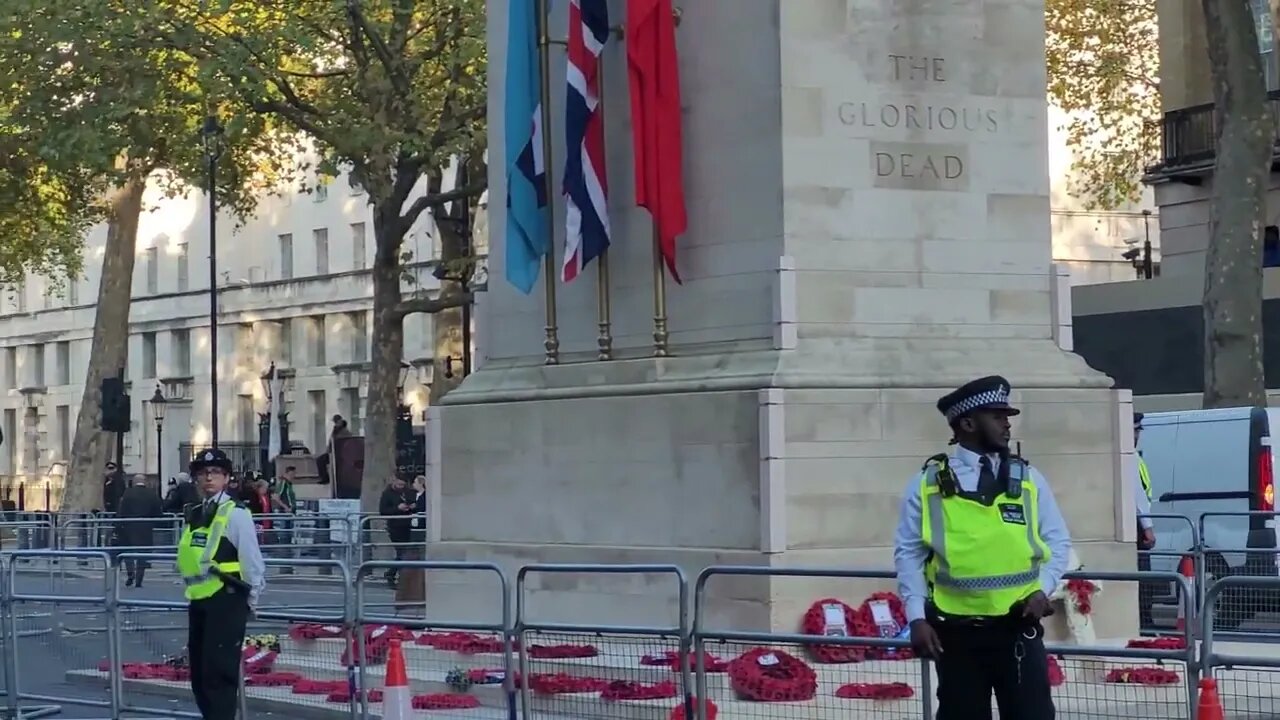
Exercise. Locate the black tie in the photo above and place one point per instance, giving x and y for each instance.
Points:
(988, 486)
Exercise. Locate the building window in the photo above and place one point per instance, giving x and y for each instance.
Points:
(1271, 247)
(37, 365)
(181, 353)
(359, 337)
(320, 236)
(285, 348)
(316, 408)
(63, 413)
(62, 362)
(153, 270)
(183, 278)
(11, 438)
(148, 355)
(10, 370)
(321, 192)
(356, 189)
(358, 249)
(286, 256)
(316, 336)
(351, 409)
(247, 419)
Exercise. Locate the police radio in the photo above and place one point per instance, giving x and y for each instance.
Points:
(1017, 473)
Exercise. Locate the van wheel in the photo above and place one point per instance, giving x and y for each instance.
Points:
(1232, 606)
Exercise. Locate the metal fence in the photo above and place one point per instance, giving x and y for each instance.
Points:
(325, 651)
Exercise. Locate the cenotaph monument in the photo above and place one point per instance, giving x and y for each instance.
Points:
(868, 195)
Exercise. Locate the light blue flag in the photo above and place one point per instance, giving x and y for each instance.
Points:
(527, 241)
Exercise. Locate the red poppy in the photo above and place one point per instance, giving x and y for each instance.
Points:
(815, 623)
(563, 683)
(875, 691)
(1142, 676)
(1082, 592)
(768, 675)
(558, 652)
(677, 712)
(1159, 643)
(624, 690)
(1056, 676)
(445, 701)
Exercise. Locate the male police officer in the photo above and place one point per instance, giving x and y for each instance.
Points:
(224, 574)
(979, 547)
(1146, 533)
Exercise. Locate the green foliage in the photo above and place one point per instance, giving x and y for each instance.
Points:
(1103, 60)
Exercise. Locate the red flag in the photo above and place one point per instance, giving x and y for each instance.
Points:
(653, 71)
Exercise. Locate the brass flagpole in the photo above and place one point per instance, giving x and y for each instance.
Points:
(659, 298)
(552, 342)
(604, 340)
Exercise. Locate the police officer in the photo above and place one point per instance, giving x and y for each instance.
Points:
(1146, 533)
(979, 547)
(222, 568)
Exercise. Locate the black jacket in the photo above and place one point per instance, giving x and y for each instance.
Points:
(180, 496)
(398, 530)
(137, 503)
(419, 532)
(113, 488)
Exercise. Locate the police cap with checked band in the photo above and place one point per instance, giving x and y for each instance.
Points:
(212, 457)
(988, 393)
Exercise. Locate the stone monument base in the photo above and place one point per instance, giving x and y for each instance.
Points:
(764, 458)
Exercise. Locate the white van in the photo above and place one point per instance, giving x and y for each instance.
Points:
(1216, 461)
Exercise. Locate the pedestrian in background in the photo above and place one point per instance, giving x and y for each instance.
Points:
(139, 512)
(979, 548)
(411, 589)
(181, 495)
(395, 505)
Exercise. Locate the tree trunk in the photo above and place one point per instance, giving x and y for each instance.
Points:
(92, 447)
(387, 354)
(1232, 305)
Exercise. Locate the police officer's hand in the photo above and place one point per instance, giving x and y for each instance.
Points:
(924, 639)
(1147, 538)
(1037, 606)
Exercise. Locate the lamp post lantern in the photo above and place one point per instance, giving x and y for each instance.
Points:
(158, 406)
(211, 134)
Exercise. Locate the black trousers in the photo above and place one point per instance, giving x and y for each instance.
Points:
(215, 636)
(977, 661)
(1146, 591)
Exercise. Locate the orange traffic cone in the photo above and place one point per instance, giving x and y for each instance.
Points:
(1210, 707)
(1187, 569)
(396, 702)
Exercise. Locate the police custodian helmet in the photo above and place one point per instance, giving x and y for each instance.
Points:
(212, 457)
(988, 393)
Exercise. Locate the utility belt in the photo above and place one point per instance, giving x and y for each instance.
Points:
(1013, 621)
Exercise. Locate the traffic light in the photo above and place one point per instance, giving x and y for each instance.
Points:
(116, 415)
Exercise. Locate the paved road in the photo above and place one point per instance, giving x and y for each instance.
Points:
(55, 638)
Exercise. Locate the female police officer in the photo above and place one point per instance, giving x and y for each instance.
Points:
(222, 568)
(979, 547)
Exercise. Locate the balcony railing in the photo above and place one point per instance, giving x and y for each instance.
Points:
(1188, 136)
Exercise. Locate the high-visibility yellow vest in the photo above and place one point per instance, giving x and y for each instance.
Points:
(197, 555)
(1145, 476)
(984, 558)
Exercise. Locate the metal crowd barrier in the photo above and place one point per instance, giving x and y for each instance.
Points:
(693, 629)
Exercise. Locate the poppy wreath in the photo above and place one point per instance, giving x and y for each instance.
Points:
(864, 625)
(1142, 676)
(272, 679)
(314, 631)
(563, 683)
(387, 633)
(815, 623)
(343, 695)
(1159, 643)
(677, 712)
(375, 651)
(875, 691)
(318, 687)
(786, 680)
(624, 690)
(444, 701)
(1057, 678)
(562, 652)
(256, 661)
(464, 643)
(1082, 592)
(155, 671)
(671, 659)
(486, 676)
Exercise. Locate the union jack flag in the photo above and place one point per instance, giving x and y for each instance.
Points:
(585, 183)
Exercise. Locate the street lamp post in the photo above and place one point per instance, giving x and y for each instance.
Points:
(211, 135)
(158, 406)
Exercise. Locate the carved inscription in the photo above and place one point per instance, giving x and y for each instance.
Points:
(920, 165)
